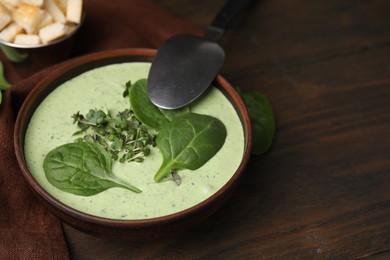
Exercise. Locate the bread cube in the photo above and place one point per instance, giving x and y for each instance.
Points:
(47, 19)
(52, 32)
(8, 33)
(27, 39)
(29, 17)
(5, 17)
(55, 11)
(73, 11)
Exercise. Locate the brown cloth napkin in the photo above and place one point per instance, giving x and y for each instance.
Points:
(27, 229)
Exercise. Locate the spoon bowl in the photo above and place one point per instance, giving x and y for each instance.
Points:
(172, 85)
(185, 65)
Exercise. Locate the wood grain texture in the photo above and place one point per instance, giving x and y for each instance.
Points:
(323, 190)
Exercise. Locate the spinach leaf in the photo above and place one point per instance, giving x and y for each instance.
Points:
(4, 84)
(170, 114)
(82, 168)
(146, 111)
(262, 119)
(188, 142)
(13, 54)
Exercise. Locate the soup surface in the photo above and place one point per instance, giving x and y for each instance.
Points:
(51, 126)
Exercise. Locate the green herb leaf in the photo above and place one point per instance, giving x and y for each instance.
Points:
(146, 111)
(4, 84)
(13, 54)
(188, 142)
(262, 119)
(123, 136)
(82, 168)
(127, 89)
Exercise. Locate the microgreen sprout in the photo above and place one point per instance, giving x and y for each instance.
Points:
(123, 136)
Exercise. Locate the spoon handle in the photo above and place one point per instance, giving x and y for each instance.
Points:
(224, 17)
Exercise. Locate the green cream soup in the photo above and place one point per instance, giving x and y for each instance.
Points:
(51, 126)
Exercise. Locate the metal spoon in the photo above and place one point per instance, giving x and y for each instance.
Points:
(185, 65)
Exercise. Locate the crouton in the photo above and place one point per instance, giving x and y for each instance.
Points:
(8, 33)
(5, 17)
(55, 11)
(73, 11)
(27, 39)
(52, 32)
(29, 17)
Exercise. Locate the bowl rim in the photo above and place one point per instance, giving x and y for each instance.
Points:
(58, 206)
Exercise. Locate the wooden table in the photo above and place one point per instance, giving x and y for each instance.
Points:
(323, 190)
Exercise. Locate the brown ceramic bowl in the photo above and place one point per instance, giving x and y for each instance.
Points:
(136, 229)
